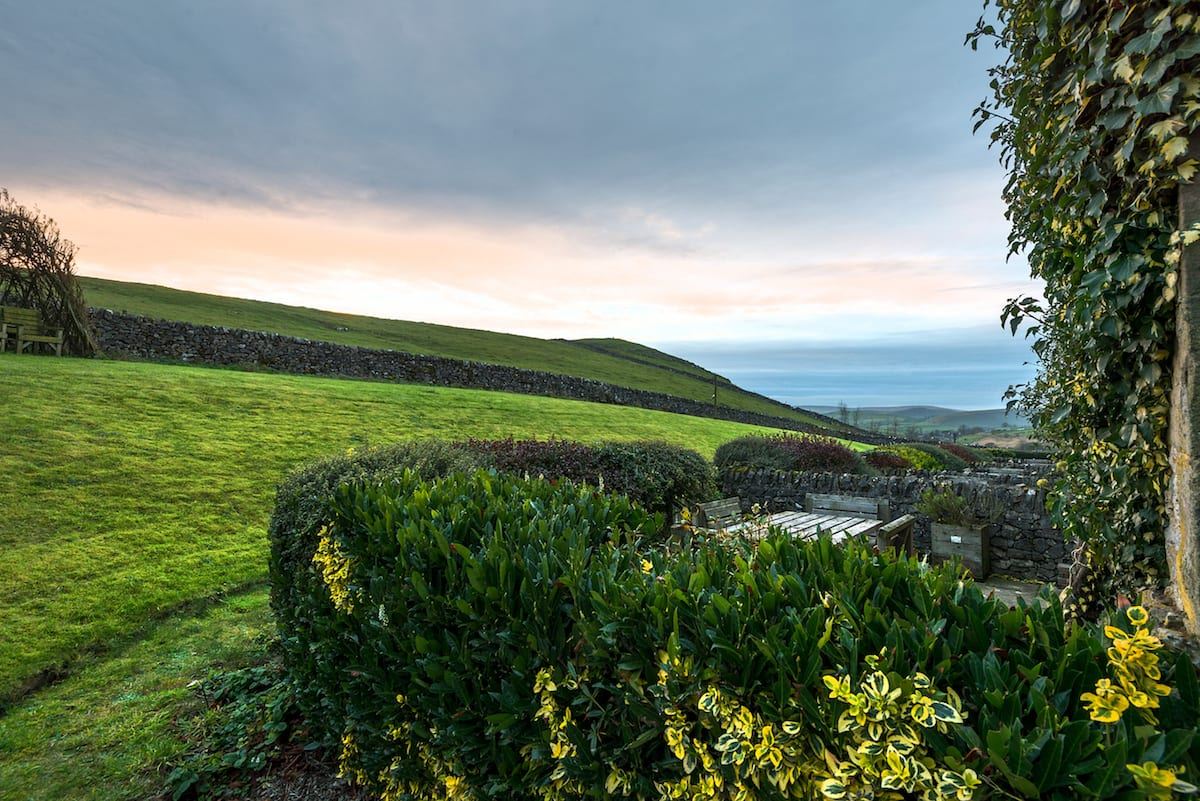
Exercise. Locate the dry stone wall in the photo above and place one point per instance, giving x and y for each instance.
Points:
(137, 337)
(1024, 543)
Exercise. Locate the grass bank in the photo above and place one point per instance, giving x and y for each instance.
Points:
(105, 732)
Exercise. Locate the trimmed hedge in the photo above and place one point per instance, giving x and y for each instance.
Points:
(924, 456)
(484, 637)
(302, 501)
(552, 458)
(789, 452)
(660, 476)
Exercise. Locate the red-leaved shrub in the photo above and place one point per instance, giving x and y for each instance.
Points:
(801, 452)
(966, 454)
(552, 458)
(887, 462)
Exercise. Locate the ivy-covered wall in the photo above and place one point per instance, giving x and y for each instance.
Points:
(1092, 107)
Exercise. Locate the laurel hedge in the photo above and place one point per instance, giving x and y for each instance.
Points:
(659, 476)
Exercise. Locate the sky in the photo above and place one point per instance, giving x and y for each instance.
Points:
(787, 192)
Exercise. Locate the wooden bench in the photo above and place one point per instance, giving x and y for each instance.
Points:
(24, 327)
(1002, 472)
(850, 505)
(719, 514)
(896, 533)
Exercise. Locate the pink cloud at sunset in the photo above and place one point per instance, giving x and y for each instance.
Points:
(541, 280)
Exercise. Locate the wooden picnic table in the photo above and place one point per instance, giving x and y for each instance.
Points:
(806, 525)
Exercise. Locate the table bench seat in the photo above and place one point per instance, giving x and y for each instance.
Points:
(837, 515)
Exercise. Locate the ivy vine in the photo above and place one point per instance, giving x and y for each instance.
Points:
(1092, 109)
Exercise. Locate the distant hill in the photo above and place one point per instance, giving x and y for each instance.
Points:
(902, 412)
(983, 418)
(613, 361)
(929, 419)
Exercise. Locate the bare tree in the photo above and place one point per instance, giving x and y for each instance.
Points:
(37, 271)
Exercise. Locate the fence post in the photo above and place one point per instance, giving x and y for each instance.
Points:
(1183, 530)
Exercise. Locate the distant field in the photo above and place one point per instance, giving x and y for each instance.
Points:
(1022, 439)
(556, 356)
(130, 488)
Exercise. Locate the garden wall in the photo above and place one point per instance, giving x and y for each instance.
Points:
(137, 337)
(1024, 544)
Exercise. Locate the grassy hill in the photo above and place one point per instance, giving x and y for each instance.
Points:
(611, 360)
(131, 488)
(106, 731)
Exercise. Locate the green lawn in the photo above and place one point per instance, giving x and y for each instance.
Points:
(550, 355)
(107, 731)
(132, 488)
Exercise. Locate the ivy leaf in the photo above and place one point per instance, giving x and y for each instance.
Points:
(1188, 48)
(1123, 69)
(1157, 68)
(1151, 38)
(1165, 128)
(1159, 101)
(1125, 266)
(1175, 148)
(1114, 119)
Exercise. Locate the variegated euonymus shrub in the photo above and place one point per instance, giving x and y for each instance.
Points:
(479, 636)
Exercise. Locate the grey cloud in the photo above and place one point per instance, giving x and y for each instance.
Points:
(526, 108)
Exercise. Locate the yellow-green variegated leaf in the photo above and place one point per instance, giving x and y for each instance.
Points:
(1163, 129)
(1174, 148)
(833, 789)
(946, 713)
